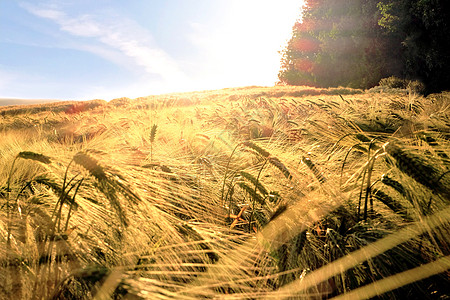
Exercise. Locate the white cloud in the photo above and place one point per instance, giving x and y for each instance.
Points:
(44, 13)
(126, 37)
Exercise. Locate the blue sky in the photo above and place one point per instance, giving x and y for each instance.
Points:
(105, 49)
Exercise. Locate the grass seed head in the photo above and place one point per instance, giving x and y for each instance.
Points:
(251, 191)
(280, 166)
(91, 165)
(393, 184)
(319, 176)
(362, 138)
(257, 148)
(393, 204)
(253, 180)
(153, 133)
(414, 166)
(34, 156)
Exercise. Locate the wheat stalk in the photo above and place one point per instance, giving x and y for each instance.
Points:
(226, 173)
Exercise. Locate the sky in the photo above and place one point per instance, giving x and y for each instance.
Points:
(106, 49)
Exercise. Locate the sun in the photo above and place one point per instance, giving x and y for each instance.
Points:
(244, 48)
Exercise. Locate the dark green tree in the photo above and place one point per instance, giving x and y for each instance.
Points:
(422, 27)
(337, 43)
(355, 43)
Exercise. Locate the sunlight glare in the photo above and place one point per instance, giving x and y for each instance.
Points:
(244, 50)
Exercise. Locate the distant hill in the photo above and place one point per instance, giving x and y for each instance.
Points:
(14, 101)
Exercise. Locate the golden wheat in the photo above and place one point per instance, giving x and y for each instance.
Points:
(166, 212)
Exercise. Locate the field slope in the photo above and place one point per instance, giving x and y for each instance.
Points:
(256, 192)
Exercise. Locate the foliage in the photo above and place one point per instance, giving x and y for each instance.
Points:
(394, 82)
(421, 27)
(356, 43)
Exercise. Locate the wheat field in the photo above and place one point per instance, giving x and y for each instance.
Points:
(241, 193)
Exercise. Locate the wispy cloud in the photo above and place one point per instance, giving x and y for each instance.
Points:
(126, 37)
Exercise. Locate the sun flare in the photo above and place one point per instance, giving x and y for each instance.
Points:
(244, 49)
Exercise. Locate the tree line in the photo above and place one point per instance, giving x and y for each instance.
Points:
(355, 43)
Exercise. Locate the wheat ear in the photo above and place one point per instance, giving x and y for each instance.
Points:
(280, 166)
(414, 166)
(152, 139)
(317, 173)
(273, 160)
(251, 191)
(256, 148)
(91, 165)
(385, 179)
(106, 186)
(34, 156)
(24, 155)
(394, 205)
(255, 182)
